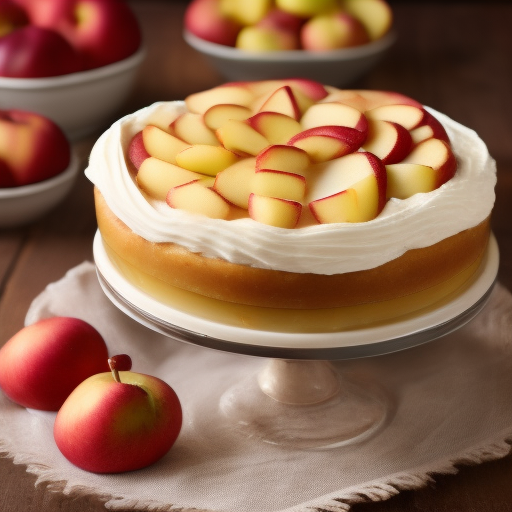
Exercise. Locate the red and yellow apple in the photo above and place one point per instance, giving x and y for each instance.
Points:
(313, 25)
(12, 16)
(332, 31)
(118, 421)
(32, 146)
(102, 31)
(36, 52)
(44, 362)
(205, 19)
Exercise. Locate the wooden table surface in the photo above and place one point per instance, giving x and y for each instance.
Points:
(455, 57)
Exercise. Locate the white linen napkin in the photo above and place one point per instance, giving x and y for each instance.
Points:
(453, 401)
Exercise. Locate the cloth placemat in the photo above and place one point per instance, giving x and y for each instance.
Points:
(453, 400)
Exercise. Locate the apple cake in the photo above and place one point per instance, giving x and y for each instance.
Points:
(297, 206)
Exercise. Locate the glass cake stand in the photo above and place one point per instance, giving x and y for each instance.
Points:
(299, 398)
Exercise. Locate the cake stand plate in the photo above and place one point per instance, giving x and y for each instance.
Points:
(299, 398)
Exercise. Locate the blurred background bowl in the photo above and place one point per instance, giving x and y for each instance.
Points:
(25, 204)
(335, 67)
(79, 103)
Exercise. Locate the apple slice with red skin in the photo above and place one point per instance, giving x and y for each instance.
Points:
(334, 114)
(156, 177)
(192, 129)
(43, 362)
(241, 138)
(431, 128)
(234, 183)
(329, 196)
(367, 99)
(324, 143)
(282, 101)
(137, 152)
(408, 116)
(237, 94)
(274, 211)
(161, 144)
(284, 185)
(277, 128)
(195, 198)
(405, 180)
(283, 158)
(111, 411)
(437, 154)
(218, 115)
(391, 142)
(206, 159)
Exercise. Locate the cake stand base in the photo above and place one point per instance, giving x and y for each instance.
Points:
(304, 404)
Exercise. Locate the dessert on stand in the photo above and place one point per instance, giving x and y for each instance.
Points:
(301, 223)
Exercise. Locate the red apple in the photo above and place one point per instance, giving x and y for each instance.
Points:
(12, 16)
(32, 146)
(6, 178)
(103, 31)
(205, 19)
(278, 18)
(44, 362)
(35, 52)
(119, 421)
(331, 31)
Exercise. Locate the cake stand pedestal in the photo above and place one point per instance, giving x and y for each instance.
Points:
(299, 398)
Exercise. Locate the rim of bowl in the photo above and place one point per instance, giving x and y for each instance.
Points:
(231, 53)
(79, 77)
(41, 186)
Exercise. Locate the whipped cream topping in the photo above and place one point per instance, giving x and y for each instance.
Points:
(419, 221)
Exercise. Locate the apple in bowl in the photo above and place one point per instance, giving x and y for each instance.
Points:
(118, 421)
(40, 38)
(32, 148)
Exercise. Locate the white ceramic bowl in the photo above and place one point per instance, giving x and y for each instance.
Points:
(79, 102)
(25, 204)
(336, 67)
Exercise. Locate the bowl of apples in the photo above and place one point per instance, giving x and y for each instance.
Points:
(37, 167)
(327, 41)
(73, 61)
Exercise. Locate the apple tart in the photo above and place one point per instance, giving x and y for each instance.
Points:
(297, 205)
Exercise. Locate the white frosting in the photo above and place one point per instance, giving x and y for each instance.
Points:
(416, 222)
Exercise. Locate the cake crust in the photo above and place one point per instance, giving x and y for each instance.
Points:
(414, 271)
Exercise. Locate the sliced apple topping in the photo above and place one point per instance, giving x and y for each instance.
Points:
(161, 144)
(192, 129)
(195, 198)
(273, 211)
(280, 151)
(156, 177)
(209, 160)
(275, 127)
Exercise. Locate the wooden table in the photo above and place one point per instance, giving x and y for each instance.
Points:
(453, 57)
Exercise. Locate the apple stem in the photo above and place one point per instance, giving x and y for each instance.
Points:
(113, 369)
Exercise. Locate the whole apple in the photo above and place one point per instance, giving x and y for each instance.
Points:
(205, 19)
(35, 52)
(44, 362)
(32, 146)
(12, 16)
(119, 421)
(102, 31)
(332, 31)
